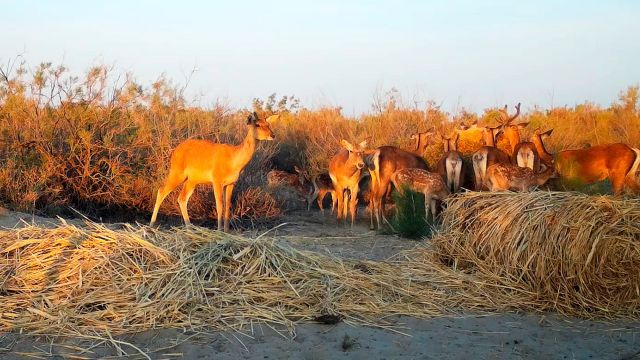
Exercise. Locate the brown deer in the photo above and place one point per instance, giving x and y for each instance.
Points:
(297, 181)
(538, 141)
(386, 160)
(617, 162)
(487, 156)
(510, 130)
(422, 140)
(322, 186)
(450, 164)
(501, 177)
(196, 162)
(427, 183)
(345, 169)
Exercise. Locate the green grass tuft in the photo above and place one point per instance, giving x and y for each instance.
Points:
(409, 219)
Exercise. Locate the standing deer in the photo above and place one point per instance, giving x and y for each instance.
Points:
(511, 130)
(450, 164)
(345, 169)
(487, 156)
(422, 141)
(196, 162)
(538, 141)
(322, 185)
(617, 162)
(427, 183)
(386, 160)
(501, 177)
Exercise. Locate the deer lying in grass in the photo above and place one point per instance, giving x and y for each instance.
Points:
(526, 155)
(298, 182)
(501, 177)
(427, 183)
(487, 156)
(345, 170)
(196, 162)
(450, 164)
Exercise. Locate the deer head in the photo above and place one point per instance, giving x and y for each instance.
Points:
(263, 131)
(356, 153)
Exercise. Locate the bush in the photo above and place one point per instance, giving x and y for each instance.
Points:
(409, 220)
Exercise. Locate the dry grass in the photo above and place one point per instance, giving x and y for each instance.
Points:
(580, 260)
(560, 251)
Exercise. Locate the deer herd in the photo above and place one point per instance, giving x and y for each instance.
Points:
(523, 167)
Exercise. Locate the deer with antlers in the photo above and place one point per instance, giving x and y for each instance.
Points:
(345, 169)
(617, 162)
(501, 177)
(450, 165)
(196, 162)
(488, 155)
(427, 183)
(510, 130)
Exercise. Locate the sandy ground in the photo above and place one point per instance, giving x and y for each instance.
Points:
(504, 336)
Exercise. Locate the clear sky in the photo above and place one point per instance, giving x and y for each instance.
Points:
(474, 54)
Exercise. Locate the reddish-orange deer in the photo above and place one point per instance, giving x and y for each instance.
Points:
(619, 163)
(510, 130)
(345, 170)
(196, 162)
(322, 186)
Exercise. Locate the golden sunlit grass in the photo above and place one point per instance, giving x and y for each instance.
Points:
(565, 251)
(498, 252)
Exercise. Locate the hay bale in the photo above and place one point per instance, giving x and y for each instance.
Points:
(564, 251)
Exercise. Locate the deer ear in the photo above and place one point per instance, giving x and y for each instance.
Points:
(252, 119)
(273, 118)
(347, 145)
(363, 144)
(463, 126)
(547, 133)
(523, 125)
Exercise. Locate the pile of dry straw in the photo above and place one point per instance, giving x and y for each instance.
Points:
(541, 251)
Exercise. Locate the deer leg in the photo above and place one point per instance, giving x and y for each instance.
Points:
(171, 183)
(321, 195)
(334, 200)
(183, 199)
(617, 183)
(346, 196)
(434, 210)
(339, 200)
(228, 191)
(218, 193)
(353, 203)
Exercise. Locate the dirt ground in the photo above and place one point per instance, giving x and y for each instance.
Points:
(467, 336)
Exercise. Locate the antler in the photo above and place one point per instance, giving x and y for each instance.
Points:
(516, 115)
(505, 115)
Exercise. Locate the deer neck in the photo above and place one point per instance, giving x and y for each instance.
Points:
(542, 151)
(246, 149)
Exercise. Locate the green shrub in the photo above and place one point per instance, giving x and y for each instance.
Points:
(409, 220)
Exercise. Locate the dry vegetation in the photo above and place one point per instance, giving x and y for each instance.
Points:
(96, 281)
(100, 142)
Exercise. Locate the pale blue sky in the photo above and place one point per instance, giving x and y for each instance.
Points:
(474, 54)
